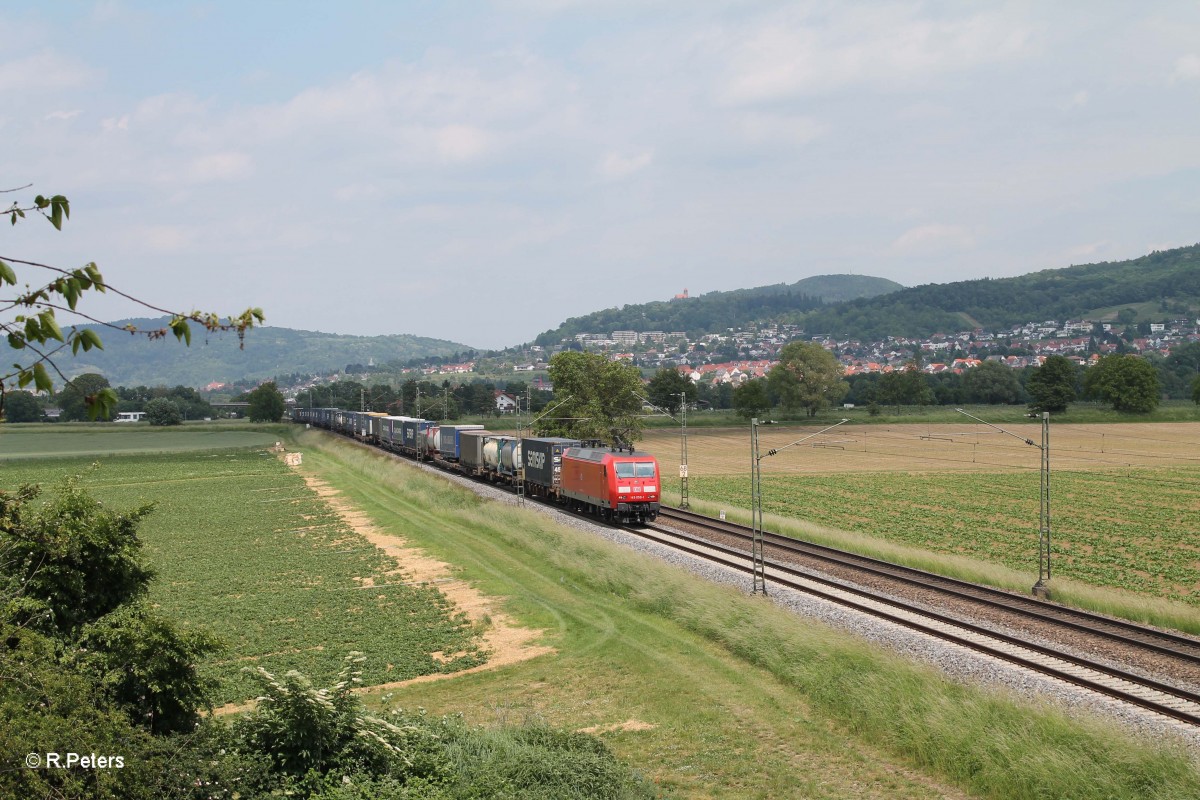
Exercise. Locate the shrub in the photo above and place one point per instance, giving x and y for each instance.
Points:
(161, 411)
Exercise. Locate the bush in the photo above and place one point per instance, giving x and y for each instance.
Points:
(161, 411)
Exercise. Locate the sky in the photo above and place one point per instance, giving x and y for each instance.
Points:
(480, 172)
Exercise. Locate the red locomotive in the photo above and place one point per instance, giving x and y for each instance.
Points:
(615, 485)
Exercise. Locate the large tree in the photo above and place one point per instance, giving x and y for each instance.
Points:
(667, 385)
(22, 406)
(162, 411)
(991, 383)
(751, 398)
(1128, 382)
(807, 377)
(266, 404)
(80, 397)
(596, 399)
(907, 386)
(1052, 385)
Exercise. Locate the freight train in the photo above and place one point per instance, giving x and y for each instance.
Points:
(618, 486)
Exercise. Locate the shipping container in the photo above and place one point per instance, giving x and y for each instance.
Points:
(448, 439)
(510, 456)
(542, 458)
(491, 452)
(414, 434)
(470, 450)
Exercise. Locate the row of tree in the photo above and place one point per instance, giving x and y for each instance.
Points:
(597, 398)
(808, 380)
(421, 397)
(162, 405)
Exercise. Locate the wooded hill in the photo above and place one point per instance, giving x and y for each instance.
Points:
(716, 311)
(1160, 285)
(128, 360)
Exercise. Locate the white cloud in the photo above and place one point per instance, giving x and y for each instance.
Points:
(1187, 67)
(759, 128)
(42, 71)
(1077, 100)
(461, 142)
(798, 51)
(615, 166)
(63, 115)
(120, 123)
(933, 238)
(161, 239)
(218, 167)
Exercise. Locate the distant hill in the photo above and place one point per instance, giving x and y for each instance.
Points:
(1168, 279)
(716, 311)
(128, 360)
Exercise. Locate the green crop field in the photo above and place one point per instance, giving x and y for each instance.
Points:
(1131, 529)
(20, 441)
(243, 547)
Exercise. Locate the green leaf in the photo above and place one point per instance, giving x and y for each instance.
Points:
(91, 339)
(182, 331)
(71, 291)
(93, 272)
(15, 340)
(24, 377)
(50, 329)
(56, 216)
(41, 378)
(101, 404)
(7, 275)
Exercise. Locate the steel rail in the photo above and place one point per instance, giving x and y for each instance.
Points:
(1128, 633)
(790, 577)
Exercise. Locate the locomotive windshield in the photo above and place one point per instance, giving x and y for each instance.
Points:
(635, 469)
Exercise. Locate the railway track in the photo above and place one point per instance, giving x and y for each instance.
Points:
(1163, 698)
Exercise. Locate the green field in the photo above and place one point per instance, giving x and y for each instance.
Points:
(23, 441)
(242, 547)
(1125, 529)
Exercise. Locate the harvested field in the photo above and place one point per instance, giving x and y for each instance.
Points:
(928, 448)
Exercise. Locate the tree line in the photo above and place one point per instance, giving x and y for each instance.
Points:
(162, 405)
(808, 380)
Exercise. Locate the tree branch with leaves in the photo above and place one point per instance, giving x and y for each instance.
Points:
(29, 318)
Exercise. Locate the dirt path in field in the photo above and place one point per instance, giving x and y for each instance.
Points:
(506, 641)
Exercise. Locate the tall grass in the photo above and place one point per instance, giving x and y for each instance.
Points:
(987, 742)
